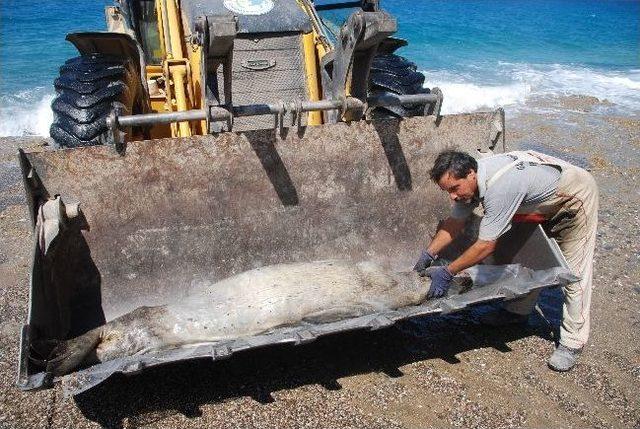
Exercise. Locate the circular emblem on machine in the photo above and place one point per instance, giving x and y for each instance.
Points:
(249, 7)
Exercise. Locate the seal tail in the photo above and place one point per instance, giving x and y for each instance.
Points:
(70, 354)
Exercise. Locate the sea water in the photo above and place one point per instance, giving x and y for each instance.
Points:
(481, 53)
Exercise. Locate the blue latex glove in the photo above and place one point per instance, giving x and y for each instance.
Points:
(425, 261)
(441, 279)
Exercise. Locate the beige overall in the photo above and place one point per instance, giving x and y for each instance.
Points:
(571, 217)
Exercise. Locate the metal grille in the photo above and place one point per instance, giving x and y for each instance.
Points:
(266, 69)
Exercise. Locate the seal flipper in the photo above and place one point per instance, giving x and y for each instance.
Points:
(70, 354)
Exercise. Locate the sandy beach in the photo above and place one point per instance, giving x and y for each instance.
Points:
(440, 372)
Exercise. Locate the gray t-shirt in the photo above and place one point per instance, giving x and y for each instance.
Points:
(524, 185)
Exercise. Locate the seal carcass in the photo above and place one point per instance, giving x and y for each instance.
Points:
(246, 304)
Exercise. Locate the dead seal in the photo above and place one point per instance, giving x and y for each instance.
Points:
(246, 304)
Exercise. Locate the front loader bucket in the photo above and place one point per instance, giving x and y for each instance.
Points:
(173, 211)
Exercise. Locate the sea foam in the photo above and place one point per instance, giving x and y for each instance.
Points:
(27, 113)
(618, 87)
(469, 97)
(519, 83)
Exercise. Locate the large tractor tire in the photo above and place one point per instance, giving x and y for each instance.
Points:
(89, 88)
(391, 73)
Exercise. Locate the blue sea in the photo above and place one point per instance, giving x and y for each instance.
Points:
(481, 53)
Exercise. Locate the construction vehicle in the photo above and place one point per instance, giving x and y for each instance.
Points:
(199, 139)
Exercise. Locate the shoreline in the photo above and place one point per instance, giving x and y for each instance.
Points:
(34, 116)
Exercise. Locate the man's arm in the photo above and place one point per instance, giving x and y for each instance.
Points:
(451, 228)
(472, 256)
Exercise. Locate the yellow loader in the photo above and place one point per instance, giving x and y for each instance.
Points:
(200, 139)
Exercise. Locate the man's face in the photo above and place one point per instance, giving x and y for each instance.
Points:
(462, 189)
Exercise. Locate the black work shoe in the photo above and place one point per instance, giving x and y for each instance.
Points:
(502, 317)
(563, 358)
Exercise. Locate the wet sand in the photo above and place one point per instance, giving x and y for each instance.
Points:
(438, 372)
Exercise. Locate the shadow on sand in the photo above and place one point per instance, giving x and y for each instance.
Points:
(183, 388)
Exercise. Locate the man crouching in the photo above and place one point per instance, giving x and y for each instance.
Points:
(526, 186)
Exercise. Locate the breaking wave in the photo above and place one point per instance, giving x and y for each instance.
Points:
(27, 113)
(512, 85)
(468, 97)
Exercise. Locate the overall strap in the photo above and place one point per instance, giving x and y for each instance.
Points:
(498, 174)
(531, 157)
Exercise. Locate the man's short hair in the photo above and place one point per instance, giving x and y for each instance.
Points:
(457, 163)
